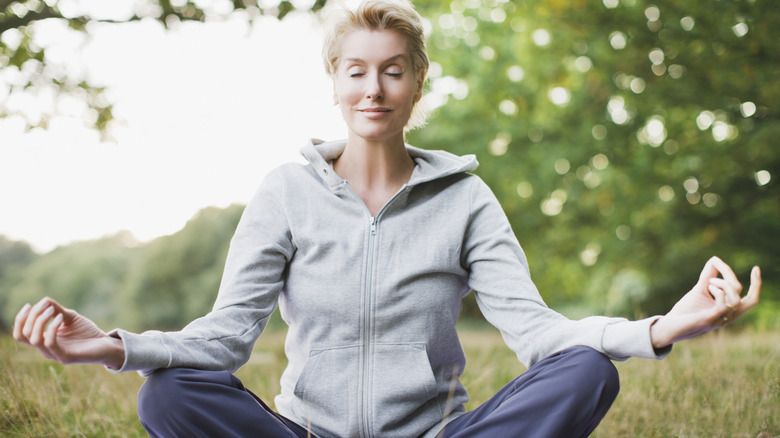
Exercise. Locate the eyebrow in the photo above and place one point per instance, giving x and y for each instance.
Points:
(390, 59)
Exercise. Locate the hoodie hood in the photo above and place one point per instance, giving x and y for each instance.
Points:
(429, 165)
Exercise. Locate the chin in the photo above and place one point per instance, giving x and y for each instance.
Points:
(377, 134)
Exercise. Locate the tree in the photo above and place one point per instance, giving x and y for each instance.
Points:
(15, 256)
(88, 276)
(180, 274)
(627, 141)
(28, 73)
(119, 282)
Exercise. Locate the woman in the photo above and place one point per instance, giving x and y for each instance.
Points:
(368, 251)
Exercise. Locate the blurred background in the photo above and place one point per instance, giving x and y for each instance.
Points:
(627, 140)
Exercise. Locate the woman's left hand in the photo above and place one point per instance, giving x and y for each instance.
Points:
(715, 301)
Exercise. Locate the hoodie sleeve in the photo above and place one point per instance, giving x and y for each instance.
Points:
(251, 283)
(500, 277)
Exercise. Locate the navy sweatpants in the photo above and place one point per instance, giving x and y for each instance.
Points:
(564, 395)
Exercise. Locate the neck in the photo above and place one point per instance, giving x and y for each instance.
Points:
(370, 164)
(375, 170)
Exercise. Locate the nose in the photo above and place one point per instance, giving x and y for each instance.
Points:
(374, 87)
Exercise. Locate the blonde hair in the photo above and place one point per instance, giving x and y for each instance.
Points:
(395, 15)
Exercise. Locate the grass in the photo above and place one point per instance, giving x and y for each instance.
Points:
(720, 385)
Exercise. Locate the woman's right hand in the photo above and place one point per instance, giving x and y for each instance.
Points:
(63, 335)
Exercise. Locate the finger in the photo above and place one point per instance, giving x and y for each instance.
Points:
(754, 291)
(36, 310)
(727, 273)
(732, 295)
(722, 315)
(709, 271)
(67, 314)
(751, 299)
(36, 336)
(719, 309)
(19, 322)
(50, 337)
(716, 292)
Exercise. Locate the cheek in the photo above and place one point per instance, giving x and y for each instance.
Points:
(406, 98)
(346, 95)
(407, 91)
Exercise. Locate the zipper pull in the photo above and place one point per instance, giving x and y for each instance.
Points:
(373, 225)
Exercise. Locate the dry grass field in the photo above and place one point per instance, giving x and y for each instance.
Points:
(720, 385)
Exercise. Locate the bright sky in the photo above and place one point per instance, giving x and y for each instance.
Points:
(206, 110)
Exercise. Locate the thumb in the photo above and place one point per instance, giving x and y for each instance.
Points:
(709, 271)
(754, 292)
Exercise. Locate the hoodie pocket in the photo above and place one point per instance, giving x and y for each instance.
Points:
(404, 391)
(327, 391)
(401, 388)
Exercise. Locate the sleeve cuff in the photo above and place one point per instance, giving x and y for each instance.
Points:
(144, 352)
(626, 339)
(115, 334)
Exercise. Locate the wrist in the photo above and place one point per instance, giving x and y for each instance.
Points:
(657, 337)
(116, 352)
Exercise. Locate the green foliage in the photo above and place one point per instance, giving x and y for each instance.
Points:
(15, 256)
(118, 283)
(88, 276)
(178, 276)
(627, 143)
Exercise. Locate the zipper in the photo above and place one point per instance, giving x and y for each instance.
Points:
(364, 410)
(366, 367)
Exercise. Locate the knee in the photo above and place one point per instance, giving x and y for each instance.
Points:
(156, 394)
(160, 397)
(595, 371)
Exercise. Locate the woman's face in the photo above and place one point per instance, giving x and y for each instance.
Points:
(375, 84)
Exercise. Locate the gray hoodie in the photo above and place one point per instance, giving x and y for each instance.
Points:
(371, 302)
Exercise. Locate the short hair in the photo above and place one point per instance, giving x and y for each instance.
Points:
(395, 15)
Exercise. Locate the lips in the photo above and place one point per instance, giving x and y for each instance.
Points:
(375, 113)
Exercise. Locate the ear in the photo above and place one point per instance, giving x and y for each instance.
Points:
(420, 83)
(335, 94)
